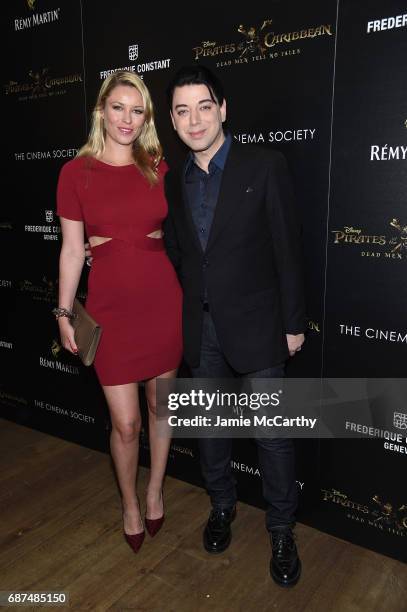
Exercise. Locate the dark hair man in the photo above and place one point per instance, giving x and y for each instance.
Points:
(233, 235)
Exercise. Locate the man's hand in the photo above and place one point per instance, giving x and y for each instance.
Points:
(295, 342)
(88, 254)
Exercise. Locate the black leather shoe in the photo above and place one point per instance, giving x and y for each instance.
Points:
(218, 535)
(285, 565)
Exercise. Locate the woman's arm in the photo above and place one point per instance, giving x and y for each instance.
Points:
(71, 262)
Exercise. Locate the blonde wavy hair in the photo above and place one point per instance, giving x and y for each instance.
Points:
(147, 150)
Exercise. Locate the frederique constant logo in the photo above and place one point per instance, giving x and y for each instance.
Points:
(378, 514)
(260, 42)
(40, 84)
(392, 246)
(142, 67)
(50, 231)
(400, 420)
(133, 52)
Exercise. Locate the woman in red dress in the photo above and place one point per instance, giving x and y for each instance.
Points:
(113, 191)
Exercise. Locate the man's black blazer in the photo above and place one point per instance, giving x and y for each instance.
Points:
(252, 263)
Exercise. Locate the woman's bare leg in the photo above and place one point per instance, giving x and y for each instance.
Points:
(159, 447)
(124, 409)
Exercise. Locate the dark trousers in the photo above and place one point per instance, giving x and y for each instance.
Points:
(276, 455)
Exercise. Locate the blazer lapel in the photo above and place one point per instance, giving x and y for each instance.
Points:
(180, 195)
(230, 193)
(188, 213)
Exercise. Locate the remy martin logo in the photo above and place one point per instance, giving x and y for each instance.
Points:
(376, 513)
(55, 348)
(56, 364)
(387, 246)
(260, 42)
(389, 152)
(41, 85)
(34, 19)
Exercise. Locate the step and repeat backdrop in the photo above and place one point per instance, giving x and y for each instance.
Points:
(325, 82)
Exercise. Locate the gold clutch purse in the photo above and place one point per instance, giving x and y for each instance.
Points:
(87, 333)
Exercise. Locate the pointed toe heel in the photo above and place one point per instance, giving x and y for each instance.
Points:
(135, 540)
(153, 526)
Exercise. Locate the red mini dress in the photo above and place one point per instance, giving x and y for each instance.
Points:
(133, 290)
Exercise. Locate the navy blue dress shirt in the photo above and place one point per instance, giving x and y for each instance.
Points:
(202, 189)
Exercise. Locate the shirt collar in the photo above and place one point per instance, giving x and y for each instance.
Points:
(219, 159)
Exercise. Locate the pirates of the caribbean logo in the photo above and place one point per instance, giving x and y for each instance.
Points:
(258, 40)
(39, 85)
(381, 515)
(253, 42)
(388, 516)
(372, 244)
(401, 241)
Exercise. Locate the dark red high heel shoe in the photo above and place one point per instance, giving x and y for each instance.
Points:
(153, 526)
(135, 540)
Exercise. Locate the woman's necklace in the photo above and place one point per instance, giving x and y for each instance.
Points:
(111, 163)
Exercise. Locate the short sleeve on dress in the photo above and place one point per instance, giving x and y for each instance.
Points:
(68, 204)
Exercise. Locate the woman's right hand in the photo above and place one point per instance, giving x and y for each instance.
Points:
(67, 335)
(88, 254)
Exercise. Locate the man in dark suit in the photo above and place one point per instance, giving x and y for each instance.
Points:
(233, 236)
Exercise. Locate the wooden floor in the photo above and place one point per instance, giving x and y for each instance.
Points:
(60, 528)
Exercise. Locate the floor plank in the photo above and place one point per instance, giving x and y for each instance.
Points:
(60, 528)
